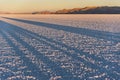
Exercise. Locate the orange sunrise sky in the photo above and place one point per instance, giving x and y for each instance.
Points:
(40, 5)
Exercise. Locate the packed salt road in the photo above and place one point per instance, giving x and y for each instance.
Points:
(59, 47)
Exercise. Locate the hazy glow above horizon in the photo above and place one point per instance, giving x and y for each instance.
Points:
(40, 5)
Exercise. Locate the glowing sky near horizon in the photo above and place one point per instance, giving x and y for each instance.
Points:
(40, 5)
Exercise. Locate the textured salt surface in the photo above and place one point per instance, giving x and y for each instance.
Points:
(57, 47)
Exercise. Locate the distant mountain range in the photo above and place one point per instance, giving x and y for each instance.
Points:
(90, 10)
(85, 10)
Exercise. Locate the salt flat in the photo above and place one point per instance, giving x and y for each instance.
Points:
(59, 47)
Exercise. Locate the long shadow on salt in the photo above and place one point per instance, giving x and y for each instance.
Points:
(26, 61)
(93, 33)
(57, 69)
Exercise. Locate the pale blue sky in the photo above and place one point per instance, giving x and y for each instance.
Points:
(39, 5)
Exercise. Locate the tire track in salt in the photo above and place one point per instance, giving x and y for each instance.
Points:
(58, 70)
(30, 66)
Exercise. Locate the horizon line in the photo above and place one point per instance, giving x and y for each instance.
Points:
(4, 12)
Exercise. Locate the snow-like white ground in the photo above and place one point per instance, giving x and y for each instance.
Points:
(59, 47)
(103, 22)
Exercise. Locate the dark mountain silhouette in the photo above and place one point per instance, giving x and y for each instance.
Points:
(90, 10)
(42, 12)
(85, 10)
